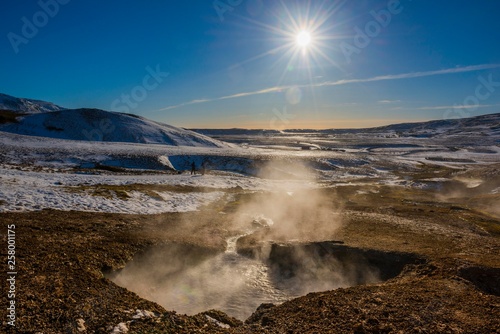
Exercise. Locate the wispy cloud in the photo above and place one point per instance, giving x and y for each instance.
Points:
(402, 76)
(457, 107)
(388, 101)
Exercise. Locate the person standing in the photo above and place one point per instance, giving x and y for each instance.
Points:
(203, 167)
(193, 168)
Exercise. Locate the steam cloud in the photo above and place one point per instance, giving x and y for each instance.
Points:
(186, 279)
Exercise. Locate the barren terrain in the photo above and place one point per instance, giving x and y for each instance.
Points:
(453, 287)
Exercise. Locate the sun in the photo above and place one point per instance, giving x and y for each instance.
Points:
(304, 39)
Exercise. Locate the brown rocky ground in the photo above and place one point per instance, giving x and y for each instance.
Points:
(61, 257)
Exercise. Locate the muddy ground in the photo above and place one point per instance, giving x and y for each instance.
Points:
(454, 288)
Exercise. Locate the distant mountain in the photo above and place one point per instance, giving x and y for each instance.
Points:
(484, 124)
(44, 119)
(26, 106)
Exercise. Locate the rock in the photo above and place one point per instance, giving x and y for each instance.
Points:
(120, 328)
(217, 322)
(223, 318)
(139, 314)
(259, 313)
(265, 321)
(80, 325)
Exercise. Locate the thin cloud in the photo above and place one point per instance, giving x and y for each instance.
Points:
(186, 104)
(258, 92)
(388, 101)
(410, 75)
(458, 107)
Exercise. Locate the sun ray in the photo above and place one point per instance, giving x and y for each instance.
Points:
(265, 27)
(291, 59)
(264, 54)
(295, 27)
(301, 34)
(308, 10)
(323, 16)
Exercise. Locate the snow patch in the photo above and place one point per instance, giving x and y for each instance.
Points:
(139, 314)
(470, 183)
(217, 322)
(120, 328)
(30, 191)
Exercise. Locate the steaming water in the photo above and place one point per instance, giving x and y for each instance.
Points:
(228, 282)
(236, 284)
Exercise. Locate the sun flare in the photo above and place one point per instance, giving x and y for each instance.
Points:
(304, 39)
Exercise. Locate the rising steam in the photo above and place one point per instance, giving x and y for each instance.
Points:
(188, 280)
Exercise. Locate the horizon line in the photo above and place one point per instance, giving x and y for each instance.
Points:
(346, 128)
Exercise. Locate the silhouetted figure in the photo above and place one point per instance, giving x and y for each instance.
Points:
(193, 168)
(203, 167)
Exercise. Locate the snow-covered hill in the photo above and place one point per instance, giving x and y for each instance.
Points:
(486, 124)
(26, 106)
(100, 125)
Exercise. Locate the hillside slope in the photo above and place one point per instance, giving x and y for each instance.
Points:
(488, 124)
(100, 125)
(26, 106)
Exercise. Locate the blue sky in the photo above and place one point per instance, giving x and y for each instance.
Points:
(237, 63)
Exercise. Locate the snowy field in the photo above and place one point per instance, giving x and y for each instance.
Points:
(38, 173)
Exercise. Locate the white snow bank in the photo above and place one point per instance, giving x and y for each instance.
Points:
(30, 191)
(33, 198)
